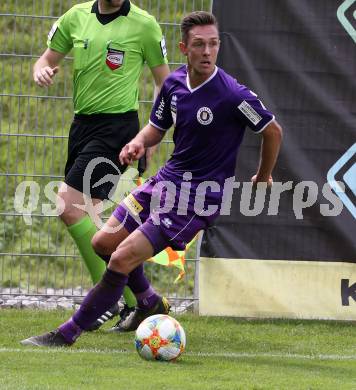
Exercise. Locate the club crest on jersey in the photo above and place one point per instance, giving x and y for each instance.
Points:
(114, 58)
(205, 116)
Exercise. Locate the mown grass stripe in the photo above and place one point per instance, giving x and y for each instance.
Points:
(233, 355)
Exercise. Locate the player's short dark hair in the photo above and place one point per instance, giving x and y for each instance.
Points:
(197, 18)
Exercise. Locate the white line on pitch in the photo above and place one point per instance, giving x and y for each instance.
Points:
(234, 355)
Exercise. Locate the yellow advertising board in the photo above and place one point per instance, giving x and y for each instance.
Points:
(277, 289)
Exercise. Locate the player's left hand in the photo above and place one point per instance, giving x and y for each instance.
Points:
(255, 179)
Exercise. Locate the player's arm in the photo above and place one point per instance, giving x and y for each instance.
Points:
(46, 67)
(135, 149)
(160, 122)
(271, 141)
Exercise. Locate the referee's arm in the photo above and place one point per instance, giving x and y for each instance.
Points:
(46, 67)
(159, 73)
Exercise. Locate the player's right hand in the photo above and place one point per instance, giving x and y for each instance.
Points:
(256, 179)
(44, 76)
(131, 152)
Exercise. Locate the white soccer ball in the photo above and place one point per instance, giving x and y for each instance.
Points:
(160, 337)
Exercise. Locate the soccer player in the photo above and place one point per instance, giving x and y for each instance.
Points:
(111, 40)
(210, 111)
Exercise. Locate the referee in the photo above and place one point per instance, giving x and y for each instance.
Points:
(111, 41)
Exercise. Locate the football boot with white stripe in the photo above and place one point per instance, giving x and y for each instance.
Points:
(108, 315)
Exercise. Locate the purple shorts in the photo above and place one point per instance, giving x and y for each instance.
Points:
(158, 213)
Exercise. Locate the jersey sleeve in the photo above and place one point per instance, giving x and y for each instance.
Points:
(59, 38)
(250, 110)
(161, 116)
(153, 44)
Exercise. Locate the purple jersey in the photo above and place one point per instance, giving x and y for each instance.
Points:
(209, 122)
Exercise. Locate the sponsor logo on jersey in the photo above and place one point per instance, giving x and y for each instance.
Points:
(163, 47)
(174, 103)
(114, 58)
(250, 113)
(205, 116)
(159, 111)
(52, 31)
(174, 108)
(132, 205)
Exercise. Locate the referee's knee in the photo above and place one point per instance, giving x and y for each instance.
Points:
(68, 213)
(67, 199)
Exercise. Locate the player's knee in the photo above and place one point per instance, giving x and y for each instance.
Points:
(125, 258)
(99, 244)
(123, 254)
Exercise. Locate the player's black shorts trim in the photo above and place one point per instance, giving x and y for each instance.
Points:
(95, 139)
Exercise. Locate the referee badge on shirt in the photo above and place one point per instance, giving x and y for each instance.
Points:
(114, 58)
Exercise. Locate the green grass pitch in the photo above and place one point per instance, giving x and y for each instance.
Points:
(222, 353)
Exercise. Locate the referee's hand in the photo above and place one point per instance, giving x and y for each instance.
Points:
(131, 152)
(44, 76)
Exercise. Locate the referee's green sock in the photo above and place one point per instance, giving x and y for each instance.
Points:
(82, 232)
(129, 297)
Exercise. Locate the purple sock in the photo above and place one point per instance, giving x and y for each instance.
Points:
(147, 299)
(137, 281)
(145, 294)
(100, 298)
(70, 331)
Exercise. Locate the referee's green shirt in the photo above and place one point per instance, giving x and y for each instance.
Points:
(108, 58)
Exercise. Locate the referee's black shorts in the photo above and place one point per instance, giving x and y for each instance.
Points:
(94, 144)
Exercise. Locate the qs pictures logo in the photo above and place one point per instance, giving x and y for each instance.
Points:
(346, 14)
